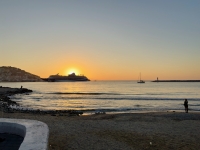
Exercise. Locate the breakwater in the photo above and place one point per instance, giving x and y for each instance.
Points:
(9, 106)
(5, 101)
(176, 81)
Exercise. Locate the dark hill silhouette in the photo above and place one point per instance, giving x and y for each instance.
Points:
(12, 74)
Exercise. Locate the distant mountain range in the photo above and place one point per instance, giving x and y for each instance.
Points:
(12, 74)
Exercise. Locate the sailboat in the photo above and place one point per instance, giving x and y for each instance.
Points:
(141, 81)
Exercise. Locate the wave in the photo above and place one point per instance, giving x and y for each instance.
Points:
(82, 93)
(102, 93)
(125, 98)
(194, 104)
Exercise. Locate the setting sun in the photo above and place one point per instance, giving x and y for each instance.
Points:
(71, 70)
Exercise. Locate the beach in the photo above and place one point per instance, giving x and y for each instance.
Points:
(138, 131)
(134, 131)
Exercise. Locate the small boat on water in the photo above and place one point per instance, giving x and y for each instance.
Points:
(141, 81)
(70, 78)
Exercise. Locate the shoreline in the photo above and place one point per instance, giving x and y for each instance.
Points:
(7, 105)
(5, 101)
(129, 131)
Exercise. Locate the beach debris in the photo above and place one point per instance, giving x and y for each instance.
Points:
(75, 113)
(97, 112)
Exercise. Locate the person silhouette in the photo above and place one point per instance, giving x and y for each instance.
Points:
(186, 105)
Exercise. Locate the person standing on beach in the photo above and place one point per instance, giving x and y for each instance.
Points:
(186, 105)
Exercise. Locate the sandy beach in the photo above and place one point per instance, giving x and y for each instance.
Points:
(120, 131)
(130, 131)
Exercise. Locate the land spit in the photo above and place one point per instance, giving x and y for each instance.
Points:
(9, 106)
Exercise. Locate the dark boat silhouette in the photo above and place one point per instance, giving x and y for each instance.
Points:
(69, 78)
(141, 81)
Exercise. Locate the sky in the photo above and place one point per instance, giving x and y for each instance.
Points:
(102, 39)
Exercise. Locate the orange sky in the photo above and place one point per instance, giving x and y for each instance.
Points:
(104, 40)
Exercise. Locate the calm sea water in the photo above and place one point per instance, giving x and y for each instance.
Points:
(110, 96)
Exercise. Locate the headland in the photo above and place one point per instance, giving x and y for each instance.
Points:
(13, 74)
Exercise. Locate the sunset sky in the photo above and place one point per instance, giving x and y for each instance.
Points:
(102, 39)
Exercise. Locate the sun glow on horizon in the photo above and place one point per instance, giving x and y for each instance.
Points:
(72, 70)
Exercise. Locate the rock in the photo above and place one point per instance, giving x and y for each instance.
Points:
(2, 139)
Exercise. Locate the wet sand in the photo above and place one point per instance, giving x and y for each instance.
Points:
(131, 131)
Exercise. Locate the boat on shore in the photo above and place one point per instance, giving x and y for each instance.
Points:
(70, 78)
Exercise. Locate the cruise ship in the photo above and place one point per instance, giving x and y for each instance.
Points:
(69, 78)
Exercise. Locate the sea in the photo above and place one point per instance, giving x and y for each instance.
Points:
(108, 96)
